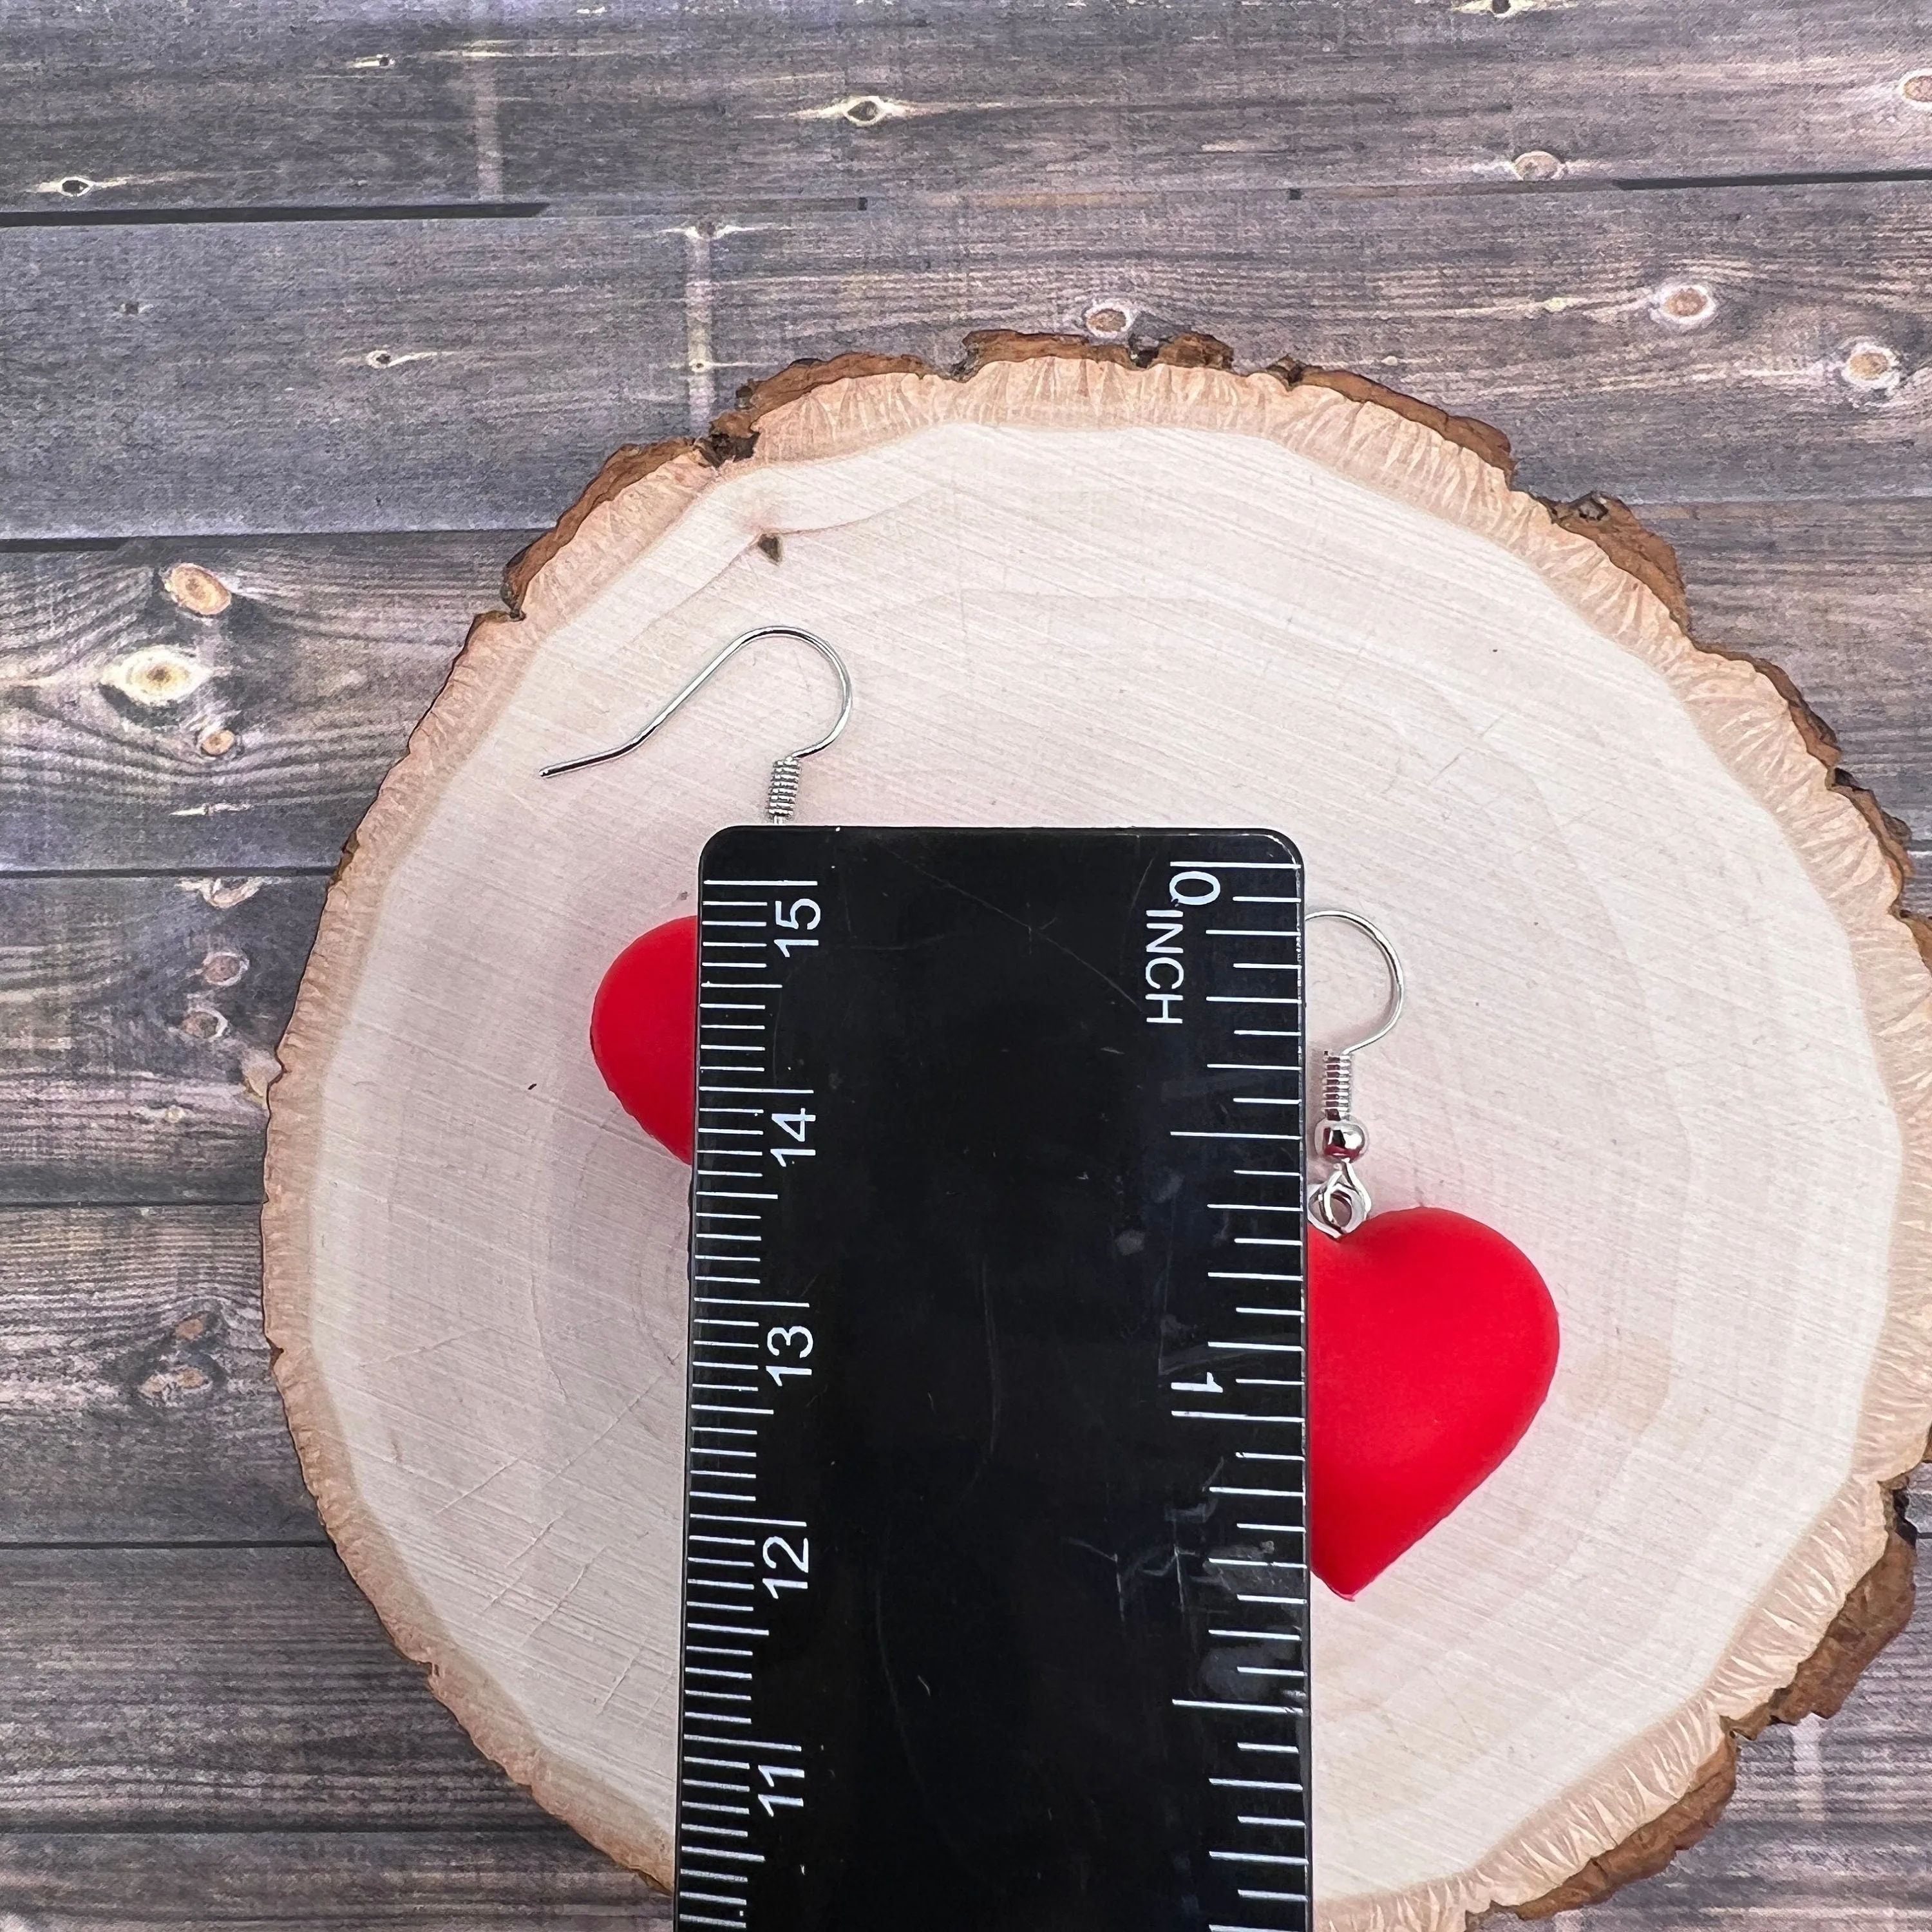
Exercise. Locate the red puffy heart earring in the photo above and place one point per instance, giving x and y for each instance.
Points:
(1432, 1343)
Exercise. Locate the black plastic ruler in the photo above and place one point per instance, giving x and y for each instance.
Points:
(995, 1602)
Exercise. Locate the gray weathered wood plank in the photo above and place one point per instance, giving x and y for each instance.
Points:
(330, 648)
(1829, 1873)
(419, 374)
(143, 1015)
(585, 107)
(329, 376)
(1551, 316)
(136, 1401)
(225, 1690)
(135, 733)
(319, 1881)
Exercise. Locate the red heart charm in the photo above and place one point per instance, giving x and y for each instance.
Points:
(1433, 1341)
(642, 1035)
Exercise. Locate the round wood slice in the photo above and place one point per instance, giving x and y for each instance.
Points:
(1667, 1031)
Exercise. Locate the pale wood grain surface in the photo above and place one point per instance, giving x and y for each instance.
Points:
(204, 376)
(1494, 1721)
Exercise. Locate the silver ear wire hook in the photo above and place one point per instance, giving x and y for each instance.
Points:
(1341, 1204)
(782, 794)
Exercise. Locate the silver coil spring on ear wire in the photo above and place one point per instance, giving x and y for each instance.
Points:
(1338, 1086)
(782, 796)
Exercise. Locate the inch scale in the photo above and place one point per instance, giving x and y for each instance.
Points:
(995, 1594)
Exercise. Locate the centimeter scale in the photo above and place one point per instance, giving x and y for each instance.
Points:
(995, 1594)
